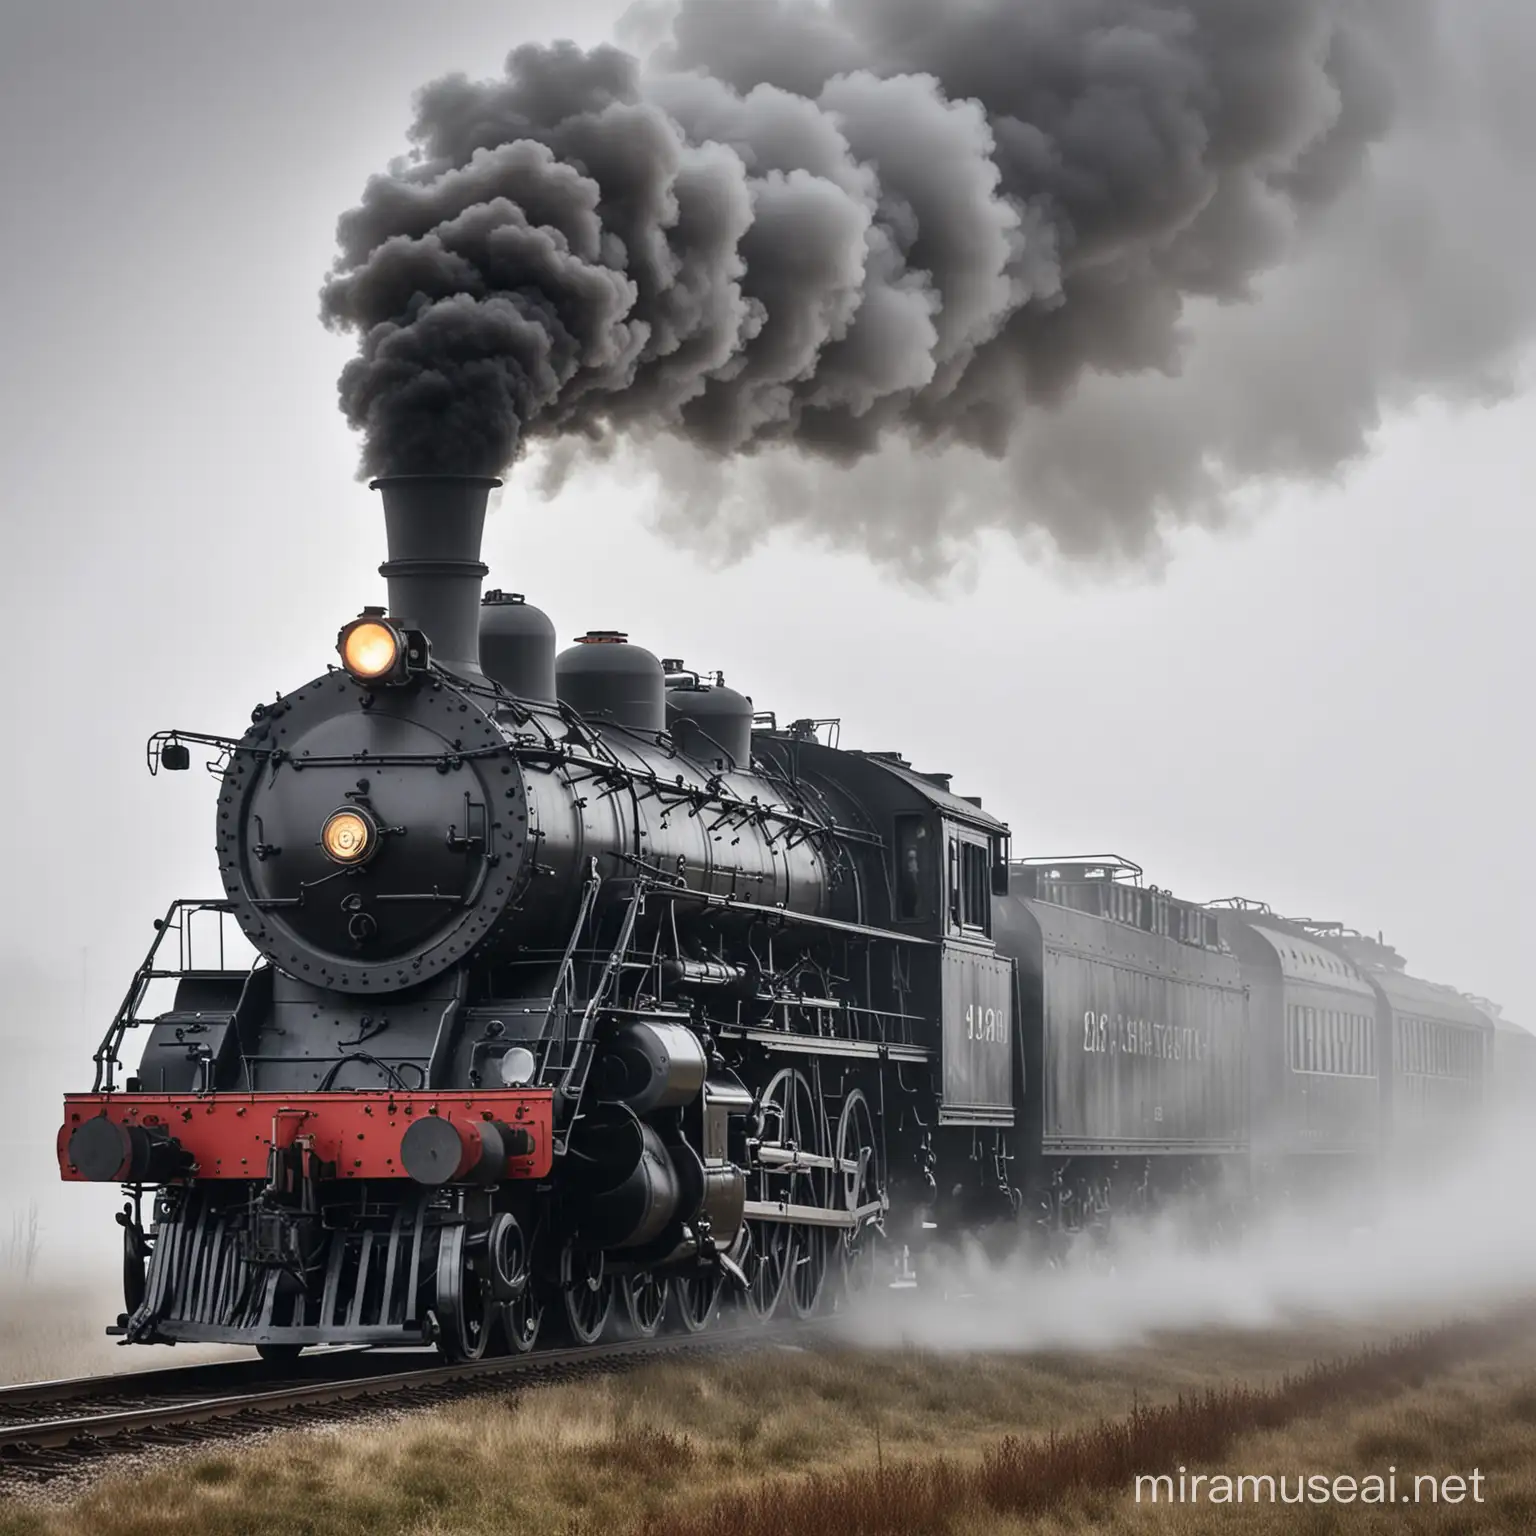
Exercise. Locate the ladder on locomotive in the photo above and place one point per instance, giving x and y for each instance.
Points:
(576, 1051)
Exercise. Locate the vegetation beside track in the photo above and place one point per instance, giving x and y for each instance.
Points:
(822, 1439)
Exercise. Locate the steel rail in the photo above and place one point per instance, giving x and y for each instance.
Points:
(199, 1378)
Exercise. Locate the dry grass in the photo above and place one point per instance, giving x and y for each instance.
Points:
(1480, 1417)
(1032, 1478)
(703, 1446)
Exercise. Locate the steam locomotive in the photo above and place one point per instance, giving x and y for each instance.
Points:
(569, 987)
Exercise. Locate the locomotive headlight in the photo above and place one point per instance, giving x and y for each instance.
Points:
(370, 649)
(517, 1066)
(348, 836)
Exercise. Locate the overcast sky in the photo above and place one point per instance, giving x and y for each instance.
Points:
(1327, 709)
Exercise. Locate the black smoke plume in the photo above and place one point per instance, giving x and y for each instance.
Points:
(901, 270)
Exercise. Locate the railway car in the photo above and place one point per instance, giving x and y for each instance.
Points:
(1513, 1070)
(1436, 1050)
(1441, 1056)
(1377, 1065)
(1136, 1036)
(1316, 1089)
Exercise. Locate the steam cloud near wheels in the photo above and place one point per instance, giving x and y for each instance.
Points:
(901, 270)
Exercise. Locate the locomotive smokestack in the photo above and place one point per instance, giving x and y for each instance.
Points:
(433, 524)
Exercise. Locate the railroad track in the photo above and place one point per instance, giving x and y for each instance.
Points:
(52, 1429)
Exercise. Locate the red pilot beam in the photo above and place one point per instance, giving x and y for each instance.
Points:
(360, 1134)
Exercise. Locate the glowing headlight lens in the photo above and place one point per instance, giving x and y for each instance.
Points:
(347, 836)
(370, 650)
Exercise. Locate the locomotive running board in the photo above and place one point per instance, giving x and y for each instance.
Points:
(825, 1045)
(781, 917)
(810, 1215)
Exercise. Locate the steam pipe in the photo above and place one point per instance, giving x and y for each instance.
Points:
(433, 525)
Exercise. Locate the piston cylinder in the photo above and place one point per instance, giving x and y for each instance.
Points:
(650, 1067)
(629, 1190)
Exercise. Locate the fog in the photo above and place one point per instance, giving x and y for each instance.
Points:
(1398, 1249)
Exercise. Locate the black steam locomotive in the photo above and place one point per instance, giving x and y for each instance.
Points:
(579, 986)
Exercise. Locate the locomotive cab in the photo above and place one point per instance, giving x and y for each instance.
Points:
(928, 870)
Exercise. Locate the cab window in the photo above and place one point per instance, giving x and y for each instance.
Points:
(914, 869)
(970, 886)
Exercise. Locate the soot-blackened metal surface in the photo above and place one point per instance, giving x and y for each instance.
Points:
(612, 683)
(517, 646)
(439, 781)
(434, 525)
(712, 724)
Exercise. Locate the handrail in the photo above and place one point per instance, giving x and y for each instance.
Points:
(177, 920)
(571, 1087)
(567, 966)
(1116, 864)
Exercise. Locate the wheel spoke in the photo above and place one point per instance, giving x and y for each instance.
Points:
(645, 1302)
(588, 1294)
(761, 1252)
(785, 1259)
(696, 1296)
(860, 1185)
(521, 1320)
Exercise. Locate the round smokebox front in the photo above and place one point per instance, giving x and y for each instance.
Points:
(370, 841)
